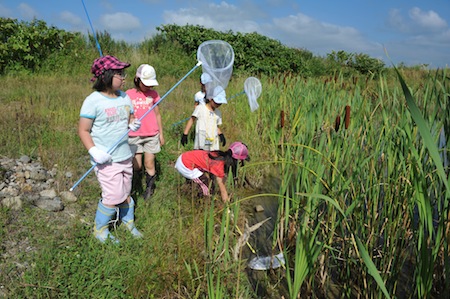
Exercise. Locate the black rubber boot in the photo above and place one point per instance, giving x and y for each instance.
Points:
(150, 185)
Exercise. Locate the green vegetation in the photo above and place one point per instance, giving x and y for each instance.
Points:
(349, 153)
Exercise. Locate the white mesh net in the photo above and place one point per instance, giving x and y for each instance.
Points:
(253, 89)
(217, 59)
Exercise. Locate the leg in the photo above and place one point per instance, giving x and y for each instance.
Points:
(103, 217)
(150, 174)
(137, 174)
(126, 215)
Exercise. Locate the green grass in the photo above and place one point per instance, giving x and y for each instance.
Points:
(357, 206)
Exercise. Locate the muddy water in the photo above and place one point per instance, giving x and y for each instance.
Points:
(261, 247)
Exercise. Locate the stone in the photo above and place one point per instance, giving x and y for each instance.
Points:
(68, 196)
(259, 208)
(49, 193)
(52, 205)
(14, 203)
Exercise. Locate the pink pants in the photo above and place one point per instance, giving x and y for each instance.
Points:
(115, 181)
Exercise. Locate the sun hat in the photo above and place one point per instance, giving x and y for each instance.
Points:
(239, 151)
(205, 78)
(147, 75)
(219, 96)
(105, 63)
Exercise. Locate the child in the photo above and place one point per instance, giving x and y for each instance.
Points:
(209, 118)
(199, 97)
(149, 138)
(193, 164)
(104, 118)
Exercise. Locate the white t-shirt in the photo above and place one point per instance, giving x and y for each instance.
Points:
(207, 123)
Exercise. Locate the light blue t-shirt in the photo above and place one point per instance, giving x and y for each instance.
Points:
(110, 122)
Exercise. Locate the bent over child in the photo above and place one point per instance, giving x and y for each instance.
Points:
(193, 164)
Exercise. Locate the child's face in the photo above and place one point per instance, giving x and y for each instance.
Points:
(144, 88)
(118, 80)
(214, 105)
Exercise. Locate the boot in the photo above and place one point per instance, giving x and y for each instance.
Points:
(150, 185)
(126, 215)
(103, 217)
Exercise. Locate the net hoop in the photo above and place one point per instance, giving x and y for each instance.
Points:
(217, 58)
(253, 90)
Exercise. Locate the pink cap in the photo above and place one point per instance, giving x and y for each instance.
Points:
(107, 63)
(239, 150)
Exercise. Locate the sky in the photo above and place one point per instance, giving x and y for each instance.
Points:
(409, 32)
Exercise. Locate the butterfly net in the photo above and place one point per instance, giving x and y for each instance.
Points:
(253, 89)
(217, 59)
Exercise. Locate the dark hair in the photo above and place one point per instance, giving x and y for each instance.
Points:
(229, 161)
(137, 82)
(104, 81)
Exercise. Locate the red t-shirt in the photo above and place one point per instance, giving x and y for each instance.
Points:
(200, 159)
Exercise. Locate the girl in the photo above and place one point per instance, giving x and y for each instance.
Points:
(104, 118)
(208, 118)
(193, 164)
(149, 138)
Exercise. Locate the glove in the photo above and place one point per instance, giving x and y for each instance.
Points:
(99, 156)
(135, 125)
(184, 139)
(222, 139)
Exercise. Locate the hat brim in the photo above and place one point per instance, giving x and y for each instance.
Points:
(149, 82)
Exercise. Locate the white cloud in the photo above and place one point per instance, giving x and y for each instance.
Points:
(427, 20)
(221, 17)
(302, 31)
(417, 22)
(71, 19)
(27, 12)
(119, 22)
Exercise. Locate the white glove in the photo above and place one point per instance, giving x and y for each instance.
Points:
(135, 125)
(99, 156)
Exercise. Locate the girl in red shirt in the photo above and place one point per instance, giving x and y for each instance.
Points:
(193, 164)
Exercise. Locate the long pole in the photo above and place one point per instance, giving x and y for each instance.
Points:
(113, 147)
(93, 31)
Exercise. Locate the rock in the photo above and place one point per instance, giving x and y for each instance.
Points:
(259, 208)
(52, 205)
(25, 159)
(14, 203)
(49, 193)
(68, 196)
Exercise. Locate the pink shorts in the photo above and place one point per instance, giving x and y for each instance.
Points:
(115, 181)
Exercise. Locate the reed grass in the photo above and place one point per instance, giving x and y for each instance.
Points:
(363, 210)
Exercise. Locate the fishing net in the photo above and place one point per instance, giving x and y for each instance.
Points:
(217, 59)
(253, 89)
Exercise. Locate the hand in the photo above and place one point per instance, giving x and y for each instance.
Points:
(99, 156)
(135, 125)
(222, 139)
(184, 140)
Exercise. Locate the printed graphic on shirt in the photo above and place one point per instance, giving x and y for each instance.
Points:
(115, 114)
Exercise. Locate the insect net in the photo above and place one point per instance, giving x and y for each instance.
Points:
(253, 89)
(217, 59)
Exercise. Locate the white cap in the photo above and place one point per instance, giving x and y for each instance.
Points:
(205, 78)
(147, 75)
(219, 96)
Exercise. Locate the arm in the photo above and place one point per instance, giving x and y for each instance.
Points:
(159, 121)
(189, 125)
(223, 189)
(84, 131)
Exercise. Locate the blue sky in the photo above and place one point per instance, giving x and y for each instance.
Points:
(410, 31)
